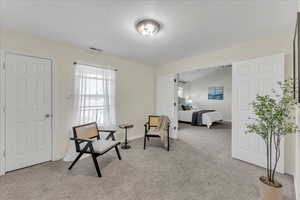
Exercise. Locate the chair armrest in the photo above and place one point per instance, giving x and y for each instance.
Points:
(82, 139)
(110, 135)
(111, 131)
(146, 125)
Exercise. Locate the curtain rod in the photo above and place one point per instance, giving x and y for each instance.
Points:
(75, 63)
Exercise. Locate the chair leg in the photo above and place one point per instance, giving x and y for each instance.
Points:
(168, 137)
(75, 161)
(96, 165)
(118, 153)
(168, 144)
(148, 138)
(144, 142)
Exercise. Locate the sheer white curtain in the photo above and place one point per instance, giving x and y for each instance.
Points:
(94, 95)
(94, 99)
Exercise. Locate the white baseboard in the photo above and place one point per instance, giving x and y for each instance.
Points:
(58, 156)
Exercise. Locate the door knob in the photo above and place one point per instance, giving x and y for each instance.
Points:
(47, 116)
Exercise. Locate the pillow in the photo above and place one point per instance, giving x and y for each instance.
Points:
(189, 108)
(186, 107)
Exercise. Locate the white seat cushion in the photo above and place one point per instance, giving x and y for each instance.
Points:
(100, 146)
(153, 132)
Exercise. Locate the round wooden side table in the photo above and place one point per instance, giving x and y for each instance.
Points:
(125, 126)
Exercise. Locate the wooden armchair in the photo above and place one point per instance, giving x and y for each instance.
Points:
(153, 122)
(87, 141)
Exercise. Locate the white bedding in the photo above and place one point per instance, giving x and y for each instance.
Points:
(207, 118)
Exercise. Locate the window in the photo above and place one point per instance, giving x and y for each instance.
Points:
(180, 92)
(94, 95)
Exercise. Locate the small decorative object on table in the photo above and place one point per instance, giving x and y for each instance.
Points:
(125, 126)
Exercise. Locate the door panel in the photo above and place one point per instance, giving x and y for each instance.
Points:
(166, 96)
(252, 77)
(28, 101)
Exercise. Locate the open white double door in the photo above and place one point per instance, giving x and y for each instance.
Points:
(166, 100)
(28, 111)
(249, 78)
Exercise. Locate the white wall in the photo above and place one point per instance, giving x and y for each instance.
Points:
(2, 164)
(134, 87)
(198, 91)
(297, 144)
(266, 46)
(297, 154)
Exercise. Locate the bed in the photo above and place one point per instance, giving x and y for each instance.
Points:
(208, 118)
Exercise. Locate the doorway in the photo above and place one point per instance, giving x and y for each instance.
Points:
(249, 78)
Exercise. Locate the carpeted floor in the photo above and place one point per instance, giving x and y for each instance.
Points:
(198, 167)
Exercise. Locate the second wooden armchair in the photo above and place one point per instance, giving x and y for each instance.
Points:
(154, 121)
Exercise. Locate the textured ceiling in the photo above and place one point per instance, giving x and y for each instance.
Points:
(189, 27)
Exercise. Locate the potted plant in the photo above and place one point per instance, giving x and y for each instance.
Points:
(274, 119)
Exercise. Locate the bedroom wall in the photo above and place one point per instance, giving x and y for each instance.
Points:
(134, 87)
(278, 42)
(198, 91)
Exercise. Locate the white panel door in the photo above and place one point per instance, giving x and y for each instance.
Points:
(28, 111)
(166, 100)
(249, 78)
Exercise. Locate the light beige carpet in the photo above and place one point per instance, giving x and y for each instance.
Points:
(198, 167)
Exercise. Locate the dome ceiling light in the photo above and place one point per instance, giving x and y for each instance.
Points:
(148, 27)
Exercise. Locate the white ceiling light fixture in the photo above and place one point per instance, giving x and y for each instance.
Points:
(148, 27)
(94, 50)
